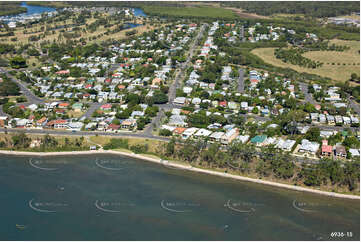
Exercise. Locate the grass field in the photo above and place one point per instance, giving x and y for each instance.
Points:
(202, 11)
(152, 144)
(75, 114)
(343, 61)
(354, 16)
(23, 38)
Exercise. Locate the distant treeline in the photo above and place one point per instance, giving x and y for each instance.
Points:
(10, 8)
(316, 9)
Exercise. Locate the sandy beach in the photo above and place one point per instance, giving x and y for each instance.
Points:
(183, 167)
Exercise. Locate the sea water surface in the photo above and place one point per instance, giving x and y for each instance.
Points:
(138, 12)
(33, 9)
(110, 197)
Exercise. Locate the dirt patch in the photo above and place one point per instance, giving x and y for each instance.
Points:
(242, 14)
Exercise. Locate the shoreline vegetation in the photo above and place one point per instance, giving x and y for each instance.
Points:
(238, 159)
(183, 167)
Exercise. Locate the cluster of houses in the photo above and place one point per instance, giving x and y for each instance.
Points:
(106, 122)
(257, 33)
(61, 85)
(273, 33)
(230, 133)
(344, 21)
(208, 44)
(337, 150)
(319, 118)
(271, 93)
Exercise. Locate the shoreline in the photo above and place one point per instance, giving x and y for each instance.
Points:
(183, 167)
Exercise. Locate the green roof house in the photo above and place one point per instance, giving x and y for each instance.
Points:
(77, 106)
(259, 140)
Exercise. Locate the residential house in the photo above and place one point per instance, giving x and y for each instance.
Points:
(285, 145)
(189, 132)
(177, 120)
(308, 147)
(216, 136)
(242, 138)
(113, 127)
(330, 119)
(340, 151)
(179, 131)
(259, 140)
(202, 133)
(354, 152)
(77, 107)
(75, 126)
(41, 122)
(229, 136)
(129, 123)
(326, 150)
(106, 107)
(57, 124)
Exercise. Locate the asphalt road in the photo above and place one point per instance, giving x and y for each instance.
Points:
(354, 105)
(91, 109)
(308, 96)
(25, 91)
(240, 87)
(84, 133)
(181, 74)
(2, 112)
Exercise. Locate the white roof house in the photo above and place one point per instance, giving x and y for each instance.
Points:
(187, 90)
(202, 133)
(75, 126)
(177, 120)
(354, 152)
(243, 138)
(179, 100)
(189, 132)
(285, 144)
(346, 120)
(354, 120)
(270, 141)
(33, 107)
(196, 100)
(216, 136)
(308, 146)
(244, 105)
(229, 136)
(167, 127)
(326, 133)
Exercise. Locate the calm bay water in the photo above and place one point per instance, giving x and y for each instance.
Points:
(32, 9)
(139, 12)
(108, 197)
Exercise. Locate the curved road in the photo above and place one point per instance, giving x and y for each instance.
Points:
(32, 98)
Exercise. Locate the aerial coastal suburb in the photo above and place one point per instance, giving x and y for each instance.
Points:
(185, 120)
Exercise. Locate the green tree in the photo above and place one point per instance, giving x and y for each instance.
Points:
(18, 62)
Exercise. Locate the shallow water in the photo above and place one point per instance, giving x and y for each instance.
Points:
(33, 9)
(139, 12)
(109, 197)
